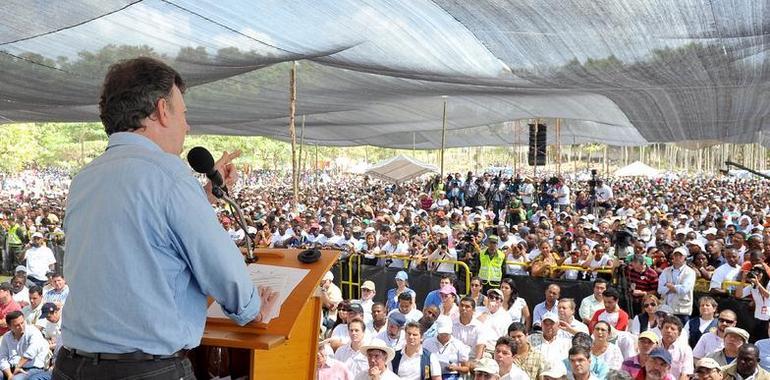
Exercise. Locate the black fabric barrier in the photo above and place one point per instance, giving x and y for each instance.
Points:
(422, 282)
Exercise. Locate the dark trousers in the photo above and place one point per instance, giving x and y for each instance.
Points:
(70, 367)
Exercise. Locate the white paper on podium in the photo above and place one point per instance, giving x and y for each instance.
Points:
(280, 279)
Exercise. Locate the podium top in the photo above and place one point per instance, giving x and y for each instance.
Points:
(226, 333)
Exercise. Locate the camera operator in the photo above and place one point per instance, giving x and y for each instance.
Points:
(758, 278)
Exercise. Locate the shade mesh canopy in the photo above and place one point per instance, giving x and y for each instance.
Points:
(399, 169)
(637, 169)
(624, 72)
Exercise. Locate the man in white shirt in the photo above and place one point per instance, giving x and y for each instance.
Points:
(23, 349)
(728, 271)
(367, 300)
(40, 260)
(378, 355)
(50, 324)
(34, 310)
(549, 344)
(496, 319)
(675, 284)
(568, 325)
(452, 354)
(468, 329)
(595, 302)
(405, 308)
(393, 335)
(394, 247)
(407, 362)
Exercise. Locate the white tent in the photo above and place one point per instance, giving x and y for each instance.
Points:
(399, 169)
(637, 169)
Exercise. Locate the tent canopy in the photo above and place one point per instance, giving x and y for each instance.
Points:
(399, 169)
(625, 72)
(637, 169)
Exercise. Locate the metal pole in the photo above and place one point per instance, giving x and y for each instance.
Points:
(534, 169)
(443, 138)
(558, 146)
(301, 145)
(293, 131)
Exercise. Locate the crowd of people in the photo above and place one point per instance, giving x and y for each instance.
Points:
(668, 239)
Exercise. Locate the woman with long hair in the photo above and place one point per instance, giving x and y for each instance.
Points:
(602, 347)
(646, 319)
(515, 305)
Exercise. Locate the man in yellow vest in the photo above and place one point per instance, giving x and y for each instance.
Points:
(491, 264)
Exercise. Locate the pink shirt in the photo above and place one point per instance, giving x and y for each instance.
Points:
(334, 370)
(4, 310)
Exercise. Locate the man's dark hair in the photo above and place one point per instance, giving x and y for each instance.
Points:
(131, 91)
(470, 300)
(405, 296)
(11, 316)
(508, 342)
(580, 350)
(582, 339)
(601, 281)
(674, 320)
(36, 289)
(57, 274)
(611, 293)
(413, 325)
(517, 326)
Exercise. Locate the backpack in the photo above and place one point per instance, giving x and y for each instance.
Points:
(424, 363)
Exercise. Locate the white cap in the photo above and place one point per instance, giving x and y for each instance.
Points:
(328, 276)
(443, 325)
(552, 316)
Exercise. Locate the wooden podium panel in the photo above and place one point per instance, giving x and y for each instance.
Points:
(287, 345)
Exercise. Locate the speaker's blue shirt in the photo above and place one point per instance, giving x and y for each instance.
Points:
(143, 250)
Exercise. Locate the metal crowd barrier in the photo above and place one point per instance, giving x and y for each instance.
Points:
(354, 262)
(552, 268)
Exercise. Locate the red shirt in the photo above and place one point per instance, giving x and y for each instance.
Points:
(4, 310)
(620, 325)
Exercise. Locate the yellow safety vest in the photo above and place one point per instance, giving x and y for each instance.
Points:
(491, 271)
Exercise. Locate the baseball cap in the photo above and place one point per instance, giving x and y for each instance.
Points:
(328, 276)
(651, 336)
(21, 268)
(661, 354)
(497, 292)
(443, 325)
(682, 251)
(397, 319)
(493, 239)
(551, 316)
(48, 308)
(448, 289)
(37, 235)
(401, 275)
(356, 308)
(368, 285)
(487, 365)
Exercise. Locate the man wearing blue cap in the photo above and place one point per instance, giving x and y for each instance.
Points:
(658, 365)
(393, 336)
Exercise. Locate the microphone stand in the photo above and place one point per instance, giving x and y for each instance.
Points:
(219, 193)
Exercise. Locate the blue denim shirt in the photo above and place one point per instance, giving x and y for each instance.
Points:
(143, 250)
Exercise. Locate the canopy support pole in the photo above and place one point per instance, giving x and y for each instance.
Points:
(534, 170)
(301, 162)
(443, 139)
(293, 131)
(558, 146)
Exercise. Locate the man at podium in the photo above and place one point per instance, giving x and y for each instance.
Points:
(144, 246)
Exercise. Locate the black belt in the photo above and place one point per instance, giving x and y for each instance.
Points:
(136, 356)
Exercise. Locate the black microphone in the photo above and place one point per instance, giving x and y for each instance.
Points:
(201, 161)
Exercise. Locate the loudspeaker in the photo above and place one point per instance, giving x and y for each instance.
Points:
(537, 145)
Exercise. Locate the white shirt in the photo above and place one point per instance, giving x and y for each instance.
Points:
(526, 193)
(386, 375)
(563, 195)
(708, 343)
(498, 324)
(515, 310)
(575, 324)
(413, 315)
(516, 270)
(724, 273)
(468, 334)
(453, 352)
(22, 295)
(409, 367)
(39, 260)
(603, 193)
(395, 249)
(612, 356)
(397, 343)
(31, 344)
(515, 373)
(761, 304)
(355, 361)
(554, 351)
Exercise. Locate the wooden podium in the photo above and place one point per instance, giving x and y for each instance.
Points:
(286, 347)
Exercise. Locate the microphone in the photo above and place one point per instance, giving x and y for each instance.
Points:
(201, 161)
